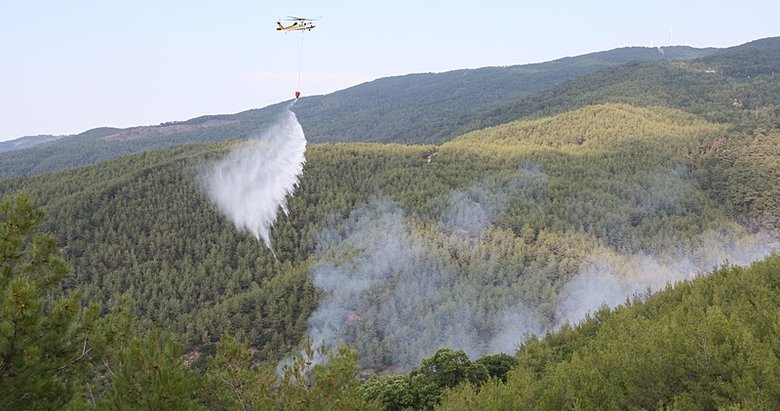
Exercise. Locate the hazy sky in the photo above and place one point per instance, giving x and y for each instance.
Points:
(68, 66)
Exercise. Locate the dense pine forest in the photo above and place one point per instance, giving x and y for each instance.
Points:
(580, 245)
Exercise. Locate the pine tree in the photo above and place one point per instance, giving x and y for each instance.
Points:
(45, 345)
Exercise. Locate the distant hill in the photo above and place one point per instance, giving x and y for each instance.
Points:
(586, 126)
(102, 144)
(25, 142)
(715, 87)
(429, 108)
(756, 58)
(415, 108)
(739, 85)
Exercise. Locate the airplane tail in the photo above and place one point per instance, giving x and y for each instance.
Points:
(279, 26)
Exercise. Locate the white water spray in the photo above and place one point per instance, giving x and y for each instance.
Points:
(253, 181)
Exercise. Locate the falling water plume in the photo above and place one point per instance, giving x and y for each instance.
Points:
(253, 181)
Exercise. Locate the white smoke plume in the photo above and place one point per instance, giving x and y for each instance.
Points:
(391, 290)
(517, 323)
(399, 291)
(472, 211)
(253, 181)
(382, 282)
(610, 278)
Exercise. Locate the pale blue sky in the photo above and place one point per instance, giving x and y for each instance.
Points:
(68, 66)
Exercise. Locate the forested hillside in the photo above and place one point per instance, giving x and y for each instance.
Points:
(430, 108)
(25, 142)
(107, 143)
(712, 87)
(416, 108)
(449, 274)
(500, 221)
(708, 344)
(757, 58)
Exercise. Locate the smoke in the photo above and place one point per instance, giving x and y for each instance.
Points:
(396, 294)
(398, 289)
(373, 253)
(472, 211)
(610, 278)
(253, 181)
(392, 291)
(517, 323)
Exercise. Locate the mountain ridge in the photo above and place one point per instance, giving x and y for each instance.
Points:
(433, 108)
(430, 95)
(26, 142)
